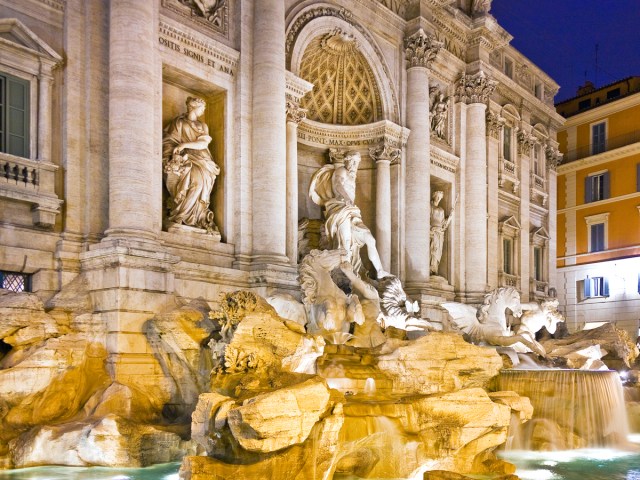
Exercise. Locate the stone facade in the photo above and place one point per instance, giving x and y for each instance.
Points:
(284, 83)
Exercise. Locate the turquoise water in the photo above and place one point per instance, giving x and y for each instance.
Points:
(596, 464)
(166, 471)
(587, 464)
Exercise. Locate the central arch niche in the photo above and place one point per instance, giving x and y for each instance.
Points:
(345, 91)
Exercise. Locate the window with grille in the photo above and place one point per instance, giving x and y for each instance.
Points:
(14, 281)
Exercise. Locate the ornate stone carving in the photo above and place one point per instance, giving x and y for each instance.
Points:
(295, 113)
(345, 91)
(495, 58)
(494, 124)
(190, 169)
(525, 142)
(480, 7)
(211, 14)
(549, 94)
(476, 88)
(333, 187)
(554, 157)
(385, 152)
(523, 75)
(439, 114)
(421, 49)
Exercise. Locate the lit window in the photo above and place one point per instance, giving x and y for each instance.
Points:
(596, 287)
(507, 256)
(598, 138)
(596, 187)
(506, 143)
(14, 281)
(14, 115)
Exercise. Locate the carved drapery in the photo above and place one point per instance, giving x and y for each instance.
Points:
(494, 124)
(421, 49)
(476, 88)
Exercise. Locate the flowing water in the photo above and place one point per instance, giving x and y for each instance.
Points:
(572, 409)
(166, 471)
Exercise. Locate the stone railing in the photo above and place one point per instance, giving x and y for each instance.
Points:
(538, 287)
(508, 280)
(32, 182)
(539, 194)
(508, 171)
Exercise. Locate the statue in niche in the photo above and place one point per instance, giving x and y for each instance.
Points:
(210, 10)
(439, 225)
(189, 168)
(333, 187)
(439, 114)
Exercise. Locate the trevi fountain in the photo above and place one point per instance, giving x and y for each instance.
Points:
(349, 382)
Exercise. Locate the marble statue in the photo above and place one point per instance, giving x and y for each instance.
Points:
(208, 9)
(189, 168)
(439, 114)
(439, 225)
(480, 7)
(538, 315)
(488, 323)
(330, 310)
(334, 188)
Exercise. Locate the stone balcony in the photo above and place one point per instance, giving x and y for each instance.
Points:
(508, 280)
(508, 175)
(32, 182)
(538, 190)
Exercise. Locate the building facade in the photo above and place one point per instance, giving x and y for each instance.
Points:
(598, 207)
(430, 93)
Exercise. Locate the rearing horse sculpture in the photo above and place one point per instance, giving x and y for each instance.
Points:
(488, 323)
(330, 310)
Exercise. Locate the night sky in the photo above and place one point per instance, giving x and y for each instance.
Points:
(560, 37)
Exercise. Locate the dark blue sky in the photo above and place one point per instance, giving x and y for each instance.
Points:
(560, 36)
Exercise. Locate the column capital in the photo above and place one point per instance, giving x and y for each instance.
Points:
(525, 142)
(494, 124)
(295, 114)
(421, 49)
(385, 153)
(475, 88)
(554, 158)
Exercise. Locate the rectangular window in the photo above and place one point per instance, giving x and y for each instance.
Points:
(584, 104)
(597, 238)
(508, 68)
(506, 143)
(598, 140)
(507, 256)
(596, 187)
(613, 93)
(537, 263)
(14, 281)
(14, 115)
(596, 287)
(536, 160)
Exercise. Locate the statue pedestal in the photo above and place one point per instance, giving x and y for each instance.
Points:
(179, 228)
(430, 295)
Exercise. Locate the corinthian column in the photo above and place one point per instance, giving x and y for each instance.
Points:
(134, 187)
(269, 133)
(475, 90)
(295, 115)
(420, 50)
(384, 155)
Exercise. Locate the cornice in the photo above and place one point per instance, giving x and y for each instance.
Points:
(603, 111)
(601, 158)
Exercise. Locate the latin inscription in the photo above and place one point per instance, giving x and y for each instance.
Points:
(338, 142)
(198, 57)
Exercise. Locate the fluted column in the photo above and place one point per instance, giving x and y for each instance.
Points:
(269, 133)
(420, 50)
(295, 115)
(384, 155)
(494, 125)
(475, 90)
(133, 186)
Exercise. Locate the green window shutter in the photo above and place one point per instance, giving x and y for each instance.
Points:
(16, 131)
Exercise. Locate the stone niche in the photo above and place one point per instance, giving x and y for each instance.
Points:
(176, 88)
(445, 269)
